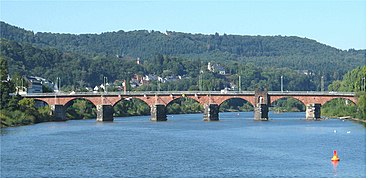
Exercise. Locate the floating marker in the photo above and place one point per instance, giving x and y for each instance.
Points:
(335, 157)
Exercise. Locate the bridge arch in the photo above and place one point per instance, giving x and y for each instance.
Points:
(83, 109)
(184, 104)
(249, 99)
(277, 98)
(237, 101)
(131, 106)
(39, 101)
(71, 101)
(177, 98)
(352, 100)
(280, 103)
(339, 107)
(347, 101)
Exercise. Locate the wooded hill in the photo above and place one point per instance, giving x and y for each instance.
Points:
(111, 52)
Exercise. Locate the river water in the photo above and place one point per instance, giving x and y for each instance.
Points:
(185, 146)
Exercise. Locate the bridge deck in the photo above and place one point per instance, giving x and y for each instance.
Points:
(214, 93)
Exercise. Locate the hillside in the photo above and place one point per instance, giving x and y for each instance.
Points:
(110, 52)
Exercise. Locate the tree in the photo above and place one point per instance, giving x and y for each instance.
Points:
(6, 87)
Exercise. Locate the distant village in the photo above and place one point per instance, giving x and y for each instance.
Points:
(34, 84)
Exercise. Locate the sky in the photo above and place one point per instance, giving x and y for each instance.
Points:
(337, 23)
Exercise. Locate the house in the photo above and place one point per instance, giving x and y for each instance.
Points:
(134, 83)
(139, 61)
(34, 84)
(217, 68)
(150, 77)
(305, 72)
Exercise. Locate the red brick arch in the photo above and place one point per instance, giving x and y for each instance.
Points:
(313, 99)
(245, 98)
(189, 97)
(353, 100)
(124, 98)
(47, 101)
(276, 98)
(69, 103)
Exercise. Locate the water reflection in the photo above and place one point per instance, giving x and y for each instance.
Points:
(334, 165)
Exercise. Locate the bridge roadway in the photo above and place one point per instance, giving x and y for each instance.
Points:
(211, 100)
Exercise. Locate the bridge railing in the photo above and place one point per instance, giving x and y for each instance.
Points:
(286, 93)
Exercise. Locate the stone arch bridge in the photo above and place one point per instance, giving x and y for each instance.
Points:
(211, 100)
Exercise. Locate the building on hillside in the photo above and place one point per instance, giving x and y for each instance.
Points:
(34, 84)
(305, 72)
(217, 68)
(139, 62)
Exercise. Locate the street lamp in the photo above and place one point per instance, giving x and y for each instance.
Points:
(239, 83)
(58, 82)
(322, 84)
(105, 83)
(200, 82)
(282, 83)
(158, 85)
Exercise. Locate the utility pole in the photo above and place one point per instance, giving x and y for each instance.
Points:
(158, 85)
(282, 83)
(124, 86)
(58, 83)
(105, 84)
(200, 82)
(239, 83)
(22, 84)
(322, 84)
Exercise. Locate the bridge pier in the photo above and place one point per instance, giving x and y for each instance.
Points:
(313, 111)
(261, 112)
(211, 112)
(158, 112)
(262, 101)
(58, 112)
(104, 113)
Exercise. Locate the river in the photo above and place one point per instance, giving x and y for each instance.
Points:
(185, 146)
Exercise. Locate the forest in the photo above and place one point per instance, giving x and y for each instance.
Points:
(90, 57)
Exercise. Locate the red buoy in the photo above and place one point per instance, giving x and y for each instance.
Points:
(335, 157)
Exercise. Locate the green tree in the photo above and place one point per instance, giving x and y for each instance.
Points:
(6, 87)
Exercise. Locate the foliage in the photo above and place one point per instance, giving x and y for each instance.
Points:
(23, 111)
(353, 81)
(260, 60)
(6, 86)
(288, 105)
(131, 107)
(184, 105)
(15, 110)
(235, 105)
(81, 109)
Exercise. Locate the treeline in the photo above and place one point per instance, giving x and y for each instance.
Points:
(77, 71)
(266, 51)
(15, 110)
(353, 81)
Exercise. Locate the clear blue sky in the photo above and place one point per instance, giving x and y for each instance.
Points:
(338, 23)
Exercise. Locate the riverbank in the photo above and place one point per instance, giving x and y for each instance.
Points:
(347, 118)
